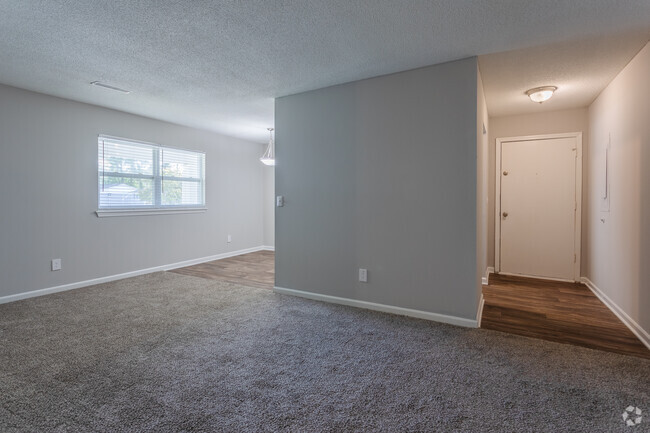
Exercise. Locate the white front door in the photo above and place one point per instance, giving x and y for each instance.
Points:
(539, 192)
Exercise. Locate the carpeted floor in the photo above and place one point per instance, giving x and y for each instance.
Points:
(167, 353)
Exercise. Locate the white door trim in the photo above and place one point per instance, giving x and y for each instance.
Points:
(578, 199)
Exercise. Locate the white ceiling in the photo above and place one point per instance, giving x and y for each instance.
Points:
(579, 69)
(218, 65)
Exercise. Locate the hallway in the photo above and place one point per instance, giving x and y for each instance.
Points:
(556, 311)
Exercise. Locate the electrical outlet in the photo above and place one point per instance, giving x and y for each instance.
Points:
(229, 239)
(363, 275)
(56, 264)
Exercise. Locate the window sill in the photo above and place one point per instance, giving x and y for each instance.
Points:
(101, 213)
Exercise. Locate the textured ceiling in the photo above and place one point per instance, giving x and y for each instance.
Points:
(218, 64)
(579, 69)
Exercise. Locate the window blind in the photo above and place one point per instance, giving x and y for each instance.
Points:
(136, 175)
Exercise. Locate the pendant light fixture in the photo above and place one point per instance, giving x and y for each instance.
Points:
(269, 155)
(541, 94)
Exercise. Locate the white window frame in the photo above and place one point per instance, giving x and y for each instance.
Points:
(157, 208)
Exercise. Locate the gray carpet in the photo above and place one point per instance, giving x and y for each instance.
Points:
(171, 353)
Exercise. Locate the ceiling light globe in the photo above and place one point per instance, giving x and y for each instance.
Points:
(541, 94)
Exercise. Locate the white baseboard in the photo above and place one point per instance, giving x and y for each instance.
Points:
(636, 329)
(268, 248)
(452, 320)
(538, 277)
(486, 278)
(86, 283)
(479, 313)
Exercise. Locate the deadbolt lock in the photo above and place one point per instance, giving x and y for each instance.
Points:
(505, 214)
(505, 173)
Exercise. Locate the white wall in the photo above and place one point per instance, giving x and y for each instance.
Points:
(553, 122)
(482, 130)
(381, 174)
(269, 206)
(48, 195)
(619, 240)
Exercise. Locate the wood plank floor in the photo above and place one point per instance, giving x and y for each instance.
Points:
(254, 269)
(556, 311)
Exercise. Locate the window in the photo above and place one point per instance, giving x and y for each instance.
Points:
(135, 176)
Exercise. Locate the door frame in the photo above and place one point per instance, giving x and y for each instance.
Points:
(578, 197)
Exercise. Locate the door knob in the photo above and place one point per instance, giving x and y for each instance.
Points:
(505, 214)
(505, 173)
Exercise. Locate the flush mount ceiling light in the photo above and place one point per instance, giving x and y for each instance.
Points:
(269, 155)
(541, 94)
(106, 86)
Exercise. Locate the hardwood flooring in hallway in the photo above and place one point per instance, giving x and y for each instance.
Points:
(556, 311)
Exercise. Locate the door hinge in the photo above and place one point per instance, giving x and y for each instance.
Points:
(575, 258)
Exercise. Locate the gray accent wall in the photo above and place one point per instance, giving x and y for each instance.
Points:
(48, 198)
(382, 174)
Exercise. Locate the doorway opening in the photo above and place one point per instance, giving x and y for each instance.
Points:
(536, 289)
